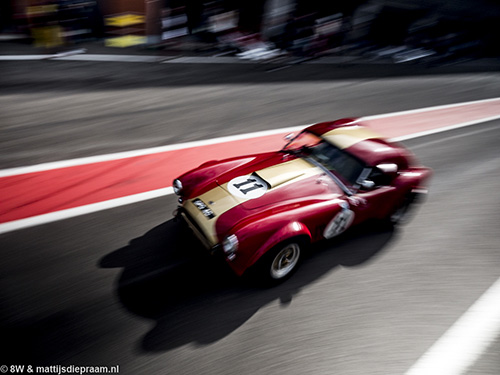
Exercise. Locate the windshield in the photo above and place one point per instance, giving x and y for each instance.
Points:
(334, 159)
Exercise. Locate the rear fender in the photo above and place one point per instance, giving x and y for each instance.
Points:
(414, 181)
(416, 176)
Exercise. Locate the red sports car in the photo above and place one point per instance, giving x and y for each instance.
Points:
(260, 211)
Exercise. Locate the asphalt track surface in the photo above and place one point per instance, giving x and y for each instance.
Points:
(125, 287)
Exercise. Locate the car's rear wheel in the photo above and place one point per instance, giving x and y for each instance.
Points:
(404, 212)
(400, 215)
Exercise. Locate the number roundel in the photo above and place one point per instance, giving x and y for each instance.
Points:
(339, 223)
(248, 187)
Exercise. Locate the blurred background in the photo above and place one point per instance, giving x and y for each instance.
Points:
(430, 30)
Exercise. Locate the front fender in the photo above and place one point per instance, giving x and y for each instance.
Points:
(247, 255)
(291, 230)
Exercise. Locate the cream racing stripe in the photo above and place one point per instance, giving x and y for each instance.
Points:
(290, 171)
(219, 200)
(347, 136)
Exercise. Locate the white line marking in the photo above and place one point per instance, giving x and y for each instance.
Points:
(9, 37)
(23, 57)
(128, 58)
(86, 57)
(205, 60)
(428, 109)
(460, 135)
(69, 53)
(110, 58)
(445, 129)
(146, 151)
(464, 342)
(82, 210)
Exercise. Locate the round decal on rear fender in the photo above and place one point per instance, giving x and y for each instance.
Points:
(249, 187)
(339, 223)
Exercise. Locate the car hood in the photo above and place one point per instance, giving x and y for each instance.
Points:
(263, 183)
(273, 179)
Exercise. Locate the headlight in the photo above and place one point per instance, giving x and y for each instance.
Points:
(177, 185)
(230, 245)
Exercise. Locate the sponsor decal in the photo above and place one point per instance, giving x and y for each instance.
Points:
(200, 205)
(249, 187)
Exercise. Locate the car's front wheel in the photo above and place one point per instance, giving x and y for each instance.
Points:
(285, 261)
(280, 262)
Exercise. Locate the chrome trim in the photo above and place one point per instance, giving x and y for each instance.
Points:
(177, 186)
(419, 191)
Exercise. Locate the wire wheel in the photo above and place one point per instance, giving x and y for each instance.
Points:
(285, 261)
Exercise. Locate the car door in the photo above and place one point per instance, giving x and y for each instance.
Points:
(375, 201)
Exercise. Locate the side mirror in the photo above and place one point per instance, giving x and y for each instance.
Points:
(388, 168)
(390, 171)
(367, 184)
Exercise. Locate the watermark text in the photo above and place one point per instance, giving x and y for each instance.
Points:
(58, 369)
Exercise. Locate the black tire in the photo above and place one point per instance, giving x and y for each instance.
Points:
(280, 262)
(404, 212)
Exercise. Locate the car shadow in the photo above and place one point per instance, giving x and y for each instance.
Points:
(194, 298)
